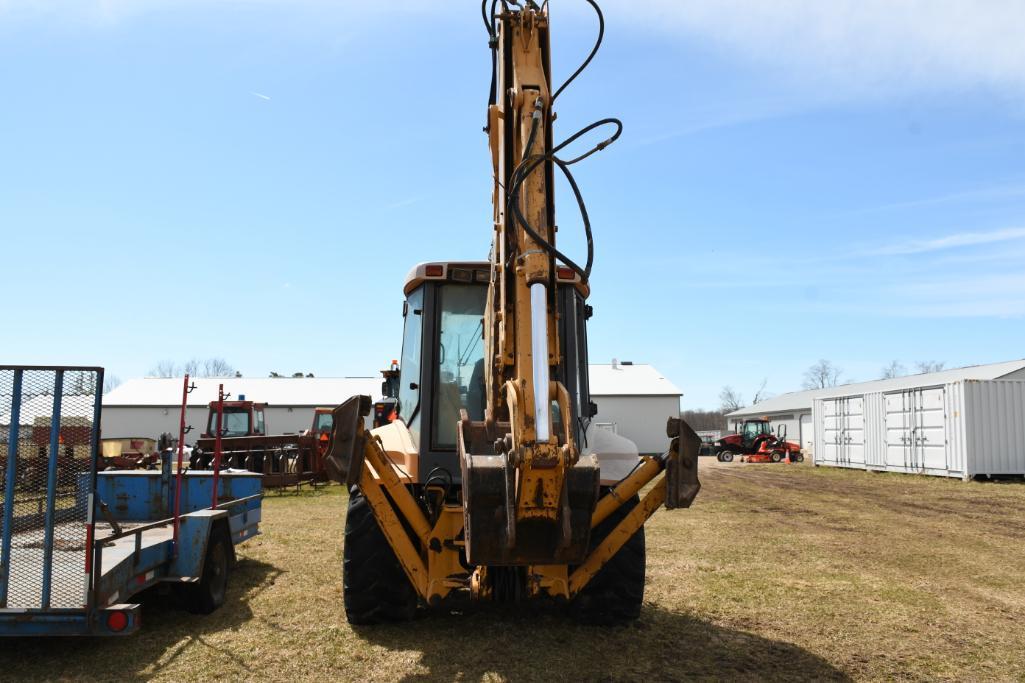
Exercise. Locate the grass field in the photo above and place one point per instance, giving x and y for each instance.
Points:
(777, 572)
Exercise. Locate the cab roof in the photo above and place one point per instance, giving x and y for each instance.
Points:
(470, 272)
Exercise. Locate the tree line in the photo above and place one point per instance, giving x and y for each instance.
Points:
(820, 375)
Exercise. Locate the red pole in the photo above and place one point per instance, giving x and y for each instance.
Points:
(217, 440)
(178, 476)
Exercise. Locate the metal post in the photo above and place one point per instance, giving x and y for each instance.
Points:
(11, 474)
(94, 447)
(51, 488)
(217, 441)
(178, 475)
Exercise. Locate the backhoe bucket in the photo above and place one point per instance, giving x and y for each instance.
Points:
(682, 483)
(344, 462)
(493, 534)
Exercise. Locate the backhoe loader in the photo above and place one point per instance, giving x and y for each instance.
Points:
(492, 480)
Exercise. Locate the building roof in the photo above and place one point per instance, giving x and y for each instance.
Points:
(802, 400)
(283, 391)
(624, 380)
(629, 380)
(37, 407)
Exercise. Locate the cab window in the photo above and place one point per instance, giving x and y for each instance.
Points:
(459, 365)
(235, 422)
(323, 423)
(412, 346)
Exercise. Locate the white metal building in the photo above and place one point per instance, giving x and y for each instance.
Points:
(961, 429)
(634, 401)
(795, 409)
(151, 406)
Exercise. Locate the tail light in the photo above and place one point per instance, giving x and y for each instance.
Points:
(117, 621)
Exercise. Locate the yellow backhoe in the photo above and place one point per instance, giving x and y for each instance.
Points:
(492, 479)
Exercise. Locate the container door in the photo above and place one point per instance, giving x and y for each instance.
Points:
(832, 431)
(930, 430)
(899, 451)
(49, 429)
(854, 430)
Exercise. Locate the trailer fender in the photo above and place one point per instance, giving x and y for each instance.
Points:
(193, 537)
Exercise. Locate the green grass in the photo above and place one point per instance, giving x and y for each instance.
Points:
(777, 572)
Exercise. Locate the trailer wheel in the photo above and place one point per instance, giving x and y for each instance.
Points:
(208, 593)
(615, 593)
(375, 587)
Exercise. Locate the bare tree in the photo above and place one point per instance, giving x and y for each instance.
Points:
(924, 366)
(821, 375)
(761, 394)
(211, 367)
(730, 400)
(704, 419)
(164, 368)
(217, 367)
(894, 369)
(110, 383)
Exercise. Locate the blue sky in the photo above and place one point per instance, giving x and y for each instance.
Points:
(253, 180)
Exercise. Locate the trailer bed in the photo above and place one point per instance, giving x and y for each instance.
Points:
(76, 545)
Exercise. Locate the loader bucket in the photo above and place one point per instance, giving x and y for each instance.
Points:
(682, 483)
(344, 462)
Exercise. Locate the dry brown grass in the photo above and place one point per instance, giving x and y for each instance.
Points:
(778, 572)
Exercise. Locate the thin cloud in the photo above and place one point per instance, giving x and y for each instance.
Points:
(856, 46)
(260, 95)
(961, 239)
(994, 193)
(408, 201)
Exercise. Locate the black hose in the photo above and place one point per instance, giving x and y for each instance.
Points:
(594, 50)
(530, 161)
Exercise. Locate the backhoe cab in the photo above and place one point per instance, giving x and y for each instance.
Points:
(491, 478)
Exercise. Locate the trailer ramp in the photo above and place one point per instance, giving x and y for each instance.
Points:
(49, 432)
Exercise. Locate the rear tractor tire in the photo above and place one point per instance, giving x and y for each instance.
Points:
(616, 592)
(775, 457)
(726, 456)
(376, 588)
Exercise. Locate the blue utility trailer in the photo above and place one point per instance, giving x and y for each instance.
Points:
(77, 545)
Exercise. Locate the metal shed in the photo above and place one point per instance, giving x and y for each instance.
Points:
(794, 410)
(963, 428)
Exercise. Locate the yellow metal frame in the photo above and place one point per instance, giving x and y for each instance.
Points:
(435, 569)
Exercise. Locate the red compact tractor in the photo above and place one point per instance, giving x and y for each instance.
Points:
(756, 443)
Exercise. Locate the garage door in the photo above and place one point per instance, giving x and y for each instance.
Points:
(916, 429)
(807, 432)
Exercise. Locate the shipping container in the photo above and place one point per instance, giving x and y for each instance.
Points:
(965, 428)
